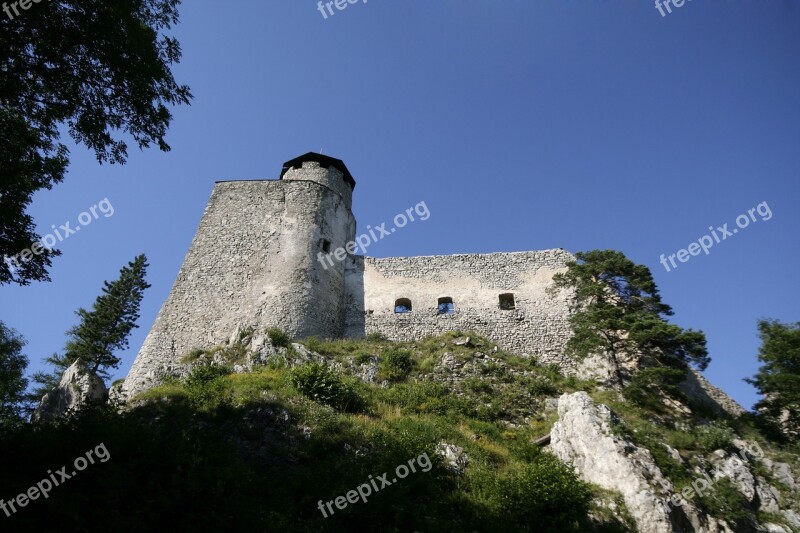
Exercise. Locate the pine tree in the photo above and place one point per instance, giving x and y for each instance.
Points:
(105, 329)
(617, 311)
(778, 379)
(12, 380)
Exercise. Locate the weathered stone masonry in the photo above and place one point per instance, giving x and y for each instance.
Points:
(536, 326)
(253, 262)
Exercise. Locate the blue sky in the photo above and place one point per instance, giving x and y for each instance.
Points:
(523, 125)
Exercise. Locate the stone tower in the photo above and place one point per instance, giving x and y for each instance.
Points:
(253, 261)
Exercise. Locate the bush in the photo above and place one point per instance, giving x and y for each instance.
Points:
(714, 436)
(205, 387)
(205, 374)
(317, 382)
(545, 492)
(278, 338)
(426, 397)
(363, 359)
(722, 500)
(542, 387)
(376, 337)
(395, 365)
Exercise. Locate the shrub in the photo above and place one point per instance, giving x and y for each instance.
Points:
(205, 374)
(542, 387)
(205, 388)
(545, 491)
(427, 397)
(395, 365)
(724, 501)
(363, 358)
(478, 385)
(278, 338)
(193, 356)
(376, 337)
(714, 436)
(318, 383)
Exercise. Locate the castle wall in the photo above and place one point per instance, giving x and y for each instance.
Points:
(538, 326)
(253, 262)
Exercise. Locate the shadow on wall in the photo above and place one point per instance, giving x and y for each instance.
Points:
(355, 321)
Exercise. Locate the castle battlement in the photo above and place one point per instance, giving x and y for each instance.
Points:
(253, 261)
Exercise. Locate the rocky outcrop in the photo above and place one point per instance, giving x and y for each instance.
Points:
(455, 458)
(78, 387)
(583, 437)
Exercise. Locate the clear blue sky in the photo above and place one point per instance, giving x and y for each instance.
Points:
(523, 125)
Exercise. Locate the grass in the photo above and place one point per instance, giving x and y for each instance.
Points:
(508, 480)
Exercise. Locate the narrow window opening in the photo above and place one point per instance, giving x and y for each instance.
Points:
(446, 306)
(402, 305)
(507, 302)
(326, 246)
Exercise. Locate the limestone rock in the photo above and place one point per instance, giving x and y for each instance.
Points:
(456, 459)
(78, 387)
(583, 436)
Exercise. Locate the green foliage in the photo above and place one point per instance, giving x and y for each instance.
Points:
(12, 381)
(376, 337)
(425, 397)
(93, 69)
(205, 387)
(104, 330)
(545, 492)
(714, 436)
(193, 356)
(649, 385)
(204, 374)
(540, 386)
(233, 354)
(278, 338)
(723, 500)
(363, 358)
(618, 310)
(395, 365)
(778, 379)
(320, 384)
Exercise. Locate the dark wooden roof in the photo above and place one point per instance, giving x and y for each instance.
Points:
(324, 161)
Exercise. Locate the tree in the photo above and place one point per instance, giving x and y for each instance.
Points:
(12, 381)
(617, 310)
(92, 68)
(778, 379)
(105, 329)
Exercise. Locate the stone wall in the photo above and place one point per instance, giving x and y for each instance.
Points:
(538, 325)
(253, 262)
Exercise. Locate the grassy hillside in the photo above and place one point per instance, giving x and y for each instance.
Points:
(269, 448)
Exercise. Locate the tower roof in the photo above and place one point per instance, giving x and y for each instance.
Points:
(324, 161)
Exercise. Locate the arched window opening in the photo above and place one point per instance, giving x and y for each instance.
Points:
(446, 306)
(507, 301)
(402, 305)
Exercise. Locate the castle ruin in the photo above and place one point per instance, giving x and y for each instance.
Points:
(254, 262)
